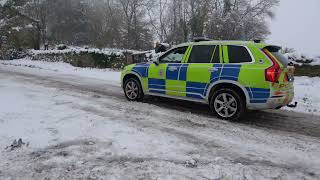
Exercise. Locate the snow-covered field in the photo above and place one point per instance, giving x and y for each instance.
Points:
(79, 133)
(307, 95)
(305, 88)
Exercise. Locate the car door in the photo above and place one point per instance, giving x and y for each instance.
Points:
(235, 58)
(164, 77)
(204, 66)
(241, 67)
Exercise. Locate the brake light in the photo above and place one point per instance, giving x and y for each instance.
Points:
(272, 74)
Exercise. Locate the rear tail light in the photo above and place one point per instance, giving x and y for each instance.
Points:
(272, 74)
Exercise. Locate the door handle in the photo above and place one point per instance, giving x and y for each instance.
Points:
(172, 68)
(213, 69)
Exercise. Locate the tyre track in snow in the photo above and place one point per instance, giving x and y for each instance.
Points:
(285, 121)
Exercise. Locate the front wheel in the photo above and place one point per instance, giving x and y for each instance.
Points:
(227, 104)
(133, 90)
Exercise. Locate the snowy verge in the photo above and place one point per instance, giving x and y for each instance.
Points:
(109, 75)
(306, 88)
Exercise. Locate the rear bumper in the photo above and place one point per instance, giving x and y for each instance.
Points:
(274, 102)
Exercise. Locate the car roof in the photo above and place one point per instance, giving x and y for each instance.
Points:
(244, 43)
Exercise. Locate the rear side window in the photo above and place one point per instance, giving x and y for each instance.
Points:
(204, 54)
(238, 54)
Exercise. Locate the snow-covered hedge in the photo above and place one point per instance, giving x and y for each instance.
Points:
(85, 57)
(301, 59)
(305, 65)
(78, 50)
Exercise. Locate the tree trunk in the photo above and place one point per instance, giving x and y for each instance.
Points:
(37, 40)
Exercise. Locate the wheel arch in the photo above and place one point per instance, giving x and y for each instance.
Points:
(132, 75)
(228, 84)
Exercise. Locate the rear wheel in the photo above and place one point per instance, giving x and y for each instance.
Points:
(133, 90)
(227, 104)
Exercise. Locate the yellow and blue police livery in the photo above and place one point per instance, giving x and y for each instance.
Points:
(230, 76)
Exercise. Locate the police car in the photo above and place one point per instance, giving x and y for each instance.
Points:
(229, 76)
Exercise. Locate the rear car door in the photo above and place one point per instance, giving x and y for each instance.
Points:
(240, 66)
(204, 67)
(164, 77)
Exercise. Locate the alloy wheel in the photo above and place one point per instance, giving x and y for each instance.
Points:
(132, 90)
(225, 105)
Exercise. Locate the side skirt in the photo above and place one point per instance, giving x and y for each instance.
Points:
(177, 97)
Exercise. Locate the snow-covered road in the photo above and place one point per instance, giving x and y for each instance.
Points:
(79, 125)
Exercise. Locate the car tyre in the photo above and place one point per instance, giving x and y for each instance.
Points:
(133, 90)
(228, 104)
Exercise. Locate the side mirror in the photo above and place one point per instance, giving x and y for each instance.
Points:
(156, 61)
(162, 47)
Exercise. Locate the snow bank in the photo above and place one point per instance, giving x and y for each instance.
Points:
(60, 67)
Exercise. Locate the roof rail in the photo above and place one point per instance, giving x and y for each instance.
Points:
(199, 39)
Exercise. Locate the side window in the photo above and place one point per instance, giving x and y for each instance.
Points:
(238, 54)
(174, 56)
(204, 54)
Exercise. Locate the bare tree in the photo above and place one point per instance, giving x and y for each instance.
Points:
(135, 29)
(135, 24)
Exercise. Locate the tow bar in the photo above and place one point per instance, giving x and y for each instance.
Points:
(293, 105)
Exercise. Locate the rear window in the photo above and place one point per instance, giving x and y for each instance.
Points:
(275, 51)
(238, 54)
(284, 60)
(280, 57)
(204, 54)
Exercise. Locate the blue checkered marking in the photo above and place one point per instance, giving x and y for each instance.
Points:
(249, 91)
(230, 72)
(215, 75)
(141, 69)
(183, 72)
(157, 84)
(258, 95)
(225, 72)
(195, 87)
(173, 75)
(157, 91)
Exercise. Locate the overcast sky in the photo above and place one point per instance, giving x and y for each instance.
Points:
(297, 25)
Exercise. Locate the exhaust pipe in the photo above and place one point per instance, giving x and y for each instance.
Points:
(293, 105)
